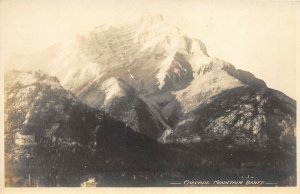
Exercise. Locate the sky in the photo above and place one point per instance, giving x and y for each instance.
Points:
(256, 36)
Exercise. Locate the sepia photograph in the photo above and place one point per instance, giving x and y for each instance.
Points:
(144, 94)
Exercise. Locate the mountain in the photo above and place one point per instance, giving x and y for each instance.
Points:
(155, 79)
(140, 96)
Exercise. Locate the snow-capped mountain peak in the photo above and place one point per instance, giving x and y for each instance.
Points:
(144, 73)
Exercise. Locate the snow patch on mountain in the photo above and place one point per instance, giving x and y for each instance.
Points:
(197, 61)
(112, 89)
(165, 135)
(185, 121)
(163, 69)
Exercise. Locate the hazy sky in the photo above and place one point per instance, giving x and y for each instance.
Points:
(257, 36)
